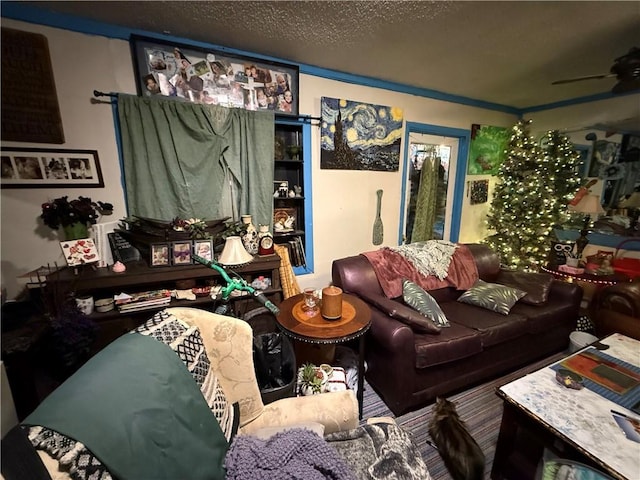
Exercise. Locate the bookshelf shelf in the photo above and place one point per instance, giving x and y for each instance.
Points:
(289, 166)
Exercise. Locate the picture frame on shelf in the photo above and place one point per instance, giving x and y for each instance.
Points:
(181, 253)
(284, 220)
(280, 188)
(210, 76)
(50, 168)
(80, 252)
(203, 248)
(160, 255)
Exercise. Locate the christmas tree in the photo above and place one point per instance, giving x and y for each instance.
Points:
(536, 183)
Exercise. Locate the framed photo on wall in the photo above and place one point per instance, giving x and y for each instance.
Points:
(181, 253)
(160, 255)
(49, 168)
(214, 77)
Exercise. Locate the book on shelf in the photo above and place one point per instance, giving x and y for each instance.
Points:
(303, 257)
(140, 297)
(296, 252)
(132, 307)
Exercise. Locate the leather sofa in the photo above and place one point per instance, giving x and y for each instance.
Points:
(410, 369)
(616, 309)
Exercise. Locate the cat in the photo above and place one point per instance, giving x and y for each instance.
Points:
(460, 452)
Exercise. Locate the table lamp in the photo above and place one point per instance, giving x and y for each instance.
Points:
(234, 253)
(589, 205)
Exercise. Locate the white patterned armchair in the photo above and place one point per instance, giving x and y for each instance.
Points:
(229, 342)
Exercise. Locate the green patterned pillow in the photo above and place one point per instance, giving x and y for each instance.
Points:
(492, 296)
(416, 297)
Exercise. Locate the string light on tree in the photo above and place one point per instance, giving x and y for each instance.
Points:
(535, 184)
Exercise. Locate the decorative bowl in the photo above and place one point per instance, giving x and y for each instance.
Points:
(104, 305)
(201, 291)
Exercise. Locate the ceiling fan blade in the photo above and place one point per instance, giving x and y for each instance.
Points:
(588, 77)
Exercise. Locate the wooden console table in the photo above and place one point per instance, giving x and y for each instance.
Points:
(104, 283)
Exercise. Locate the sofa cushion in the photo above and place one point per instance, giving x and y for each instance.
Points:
(416, 297)
(493, 327)
(536, 285)
(453, 343)
(398, 310)
(543, 318)
(492, 296)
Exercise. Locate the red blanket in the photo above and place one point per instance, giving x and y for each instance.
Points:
(392, 268)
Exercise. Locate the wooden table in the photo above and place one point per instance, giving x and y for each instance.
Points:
(315, 329)
(574, 424)
(596, 281)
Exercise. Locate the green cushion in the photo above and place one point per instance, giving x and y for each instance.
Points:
(492, 296)
(418, 298)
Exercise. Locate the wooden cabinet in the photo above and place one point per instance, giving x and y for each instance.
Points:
(104, 283)
(290, 205)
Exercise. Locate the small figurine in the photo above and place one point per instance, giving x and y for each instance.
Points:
(118, 267)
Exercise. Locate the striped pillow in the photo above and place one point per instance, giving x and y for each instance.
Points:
(416, 297)
(492, 296)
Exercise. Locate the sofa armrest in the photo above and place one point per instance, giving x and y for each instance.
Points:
(355, 275)
(566, 292)
(337, 411)
(622, 298)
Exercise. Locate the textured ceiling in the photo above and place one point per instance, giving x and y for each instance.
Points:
(506, 53)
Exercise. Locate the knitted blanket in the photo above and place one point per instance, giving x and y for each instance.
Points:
(392, 268)
(380, 451)
(295, 454)
(430, 258)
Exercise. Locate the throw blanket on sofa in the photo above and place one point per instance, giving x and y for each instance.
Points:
(297, 453)
(432, 257)
(138, 409)
(392, 268)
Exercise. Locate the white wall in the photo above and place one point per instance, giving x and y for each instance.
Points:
(343, 201)
(81, 63)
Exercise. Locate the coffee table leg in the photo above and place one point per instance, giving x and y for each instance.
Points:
(506, 437)
(360, 374)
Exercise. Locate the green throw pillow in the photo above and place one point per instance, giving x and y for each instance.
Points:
(416, 297)
(492, 296)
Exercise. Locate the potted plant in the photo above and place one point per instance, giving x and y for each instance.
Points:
(311, 379)
(74, 216)
(71, 338)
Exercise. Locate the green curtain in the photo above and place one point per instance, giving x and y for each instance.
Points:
(426, 201)
(188, 160)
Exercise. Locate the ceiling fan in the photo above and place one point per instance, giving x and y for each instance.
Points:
(625, 68)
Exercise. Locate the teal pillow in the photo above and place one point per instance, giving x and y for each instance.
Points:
(416, 297)
(492, 296)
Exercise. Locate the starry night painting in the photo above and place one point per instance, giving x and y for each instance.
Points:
(360, 136)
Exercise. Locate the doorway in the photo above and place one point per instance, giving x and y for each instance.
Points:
(443, 152)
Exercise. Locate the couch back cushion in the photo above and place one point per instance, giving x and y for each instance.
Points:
(487, 261)
(536, 285)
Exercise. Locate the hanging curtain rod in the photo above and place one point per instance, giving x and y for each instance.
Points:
(97, 93)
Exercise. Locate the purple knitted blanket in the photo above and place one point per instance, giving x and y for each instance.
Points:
(293, 454)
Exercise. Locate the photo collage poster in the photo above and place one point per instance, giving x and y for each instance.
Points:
(209, 78)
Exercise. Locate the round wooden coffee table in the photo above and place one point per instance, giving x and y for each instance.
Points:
(314, 328)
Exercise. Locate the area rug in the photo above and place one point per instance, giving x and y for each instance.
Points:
(479, 407)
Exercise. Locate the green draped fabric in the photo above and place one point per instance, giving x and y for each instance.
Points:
(138, 409)
(190, 160)
(426, 201)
